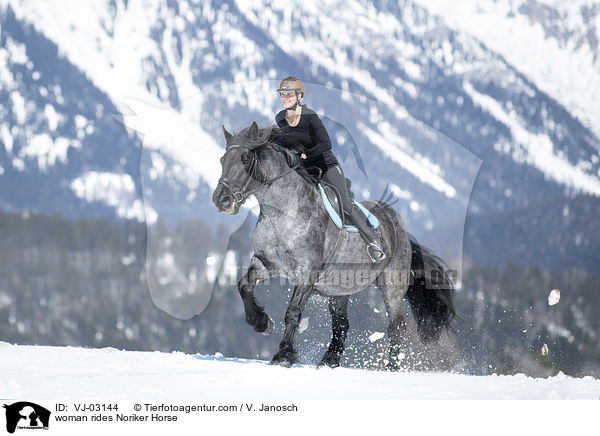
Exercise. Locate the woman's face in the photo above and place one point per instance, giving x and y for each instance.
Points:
(288, 98)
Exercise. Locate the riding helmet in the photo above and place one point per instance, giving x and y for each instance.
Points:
(292, 84)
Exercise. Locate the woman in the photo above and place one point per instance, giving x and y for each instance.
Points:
(303, 130)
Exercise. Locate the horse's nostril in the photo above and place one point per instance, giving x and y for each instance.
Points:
(226, 200)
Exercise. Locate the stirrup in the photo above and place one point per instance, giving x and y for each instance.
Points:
(375, 252)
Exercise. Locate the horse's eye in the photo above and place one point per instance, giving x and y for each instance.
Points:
(246, 157)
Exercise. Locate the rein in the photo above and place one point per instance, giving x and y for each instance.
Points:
(240, 193)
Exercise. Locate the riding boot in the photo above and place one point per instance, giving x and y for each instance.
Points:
(369, 234)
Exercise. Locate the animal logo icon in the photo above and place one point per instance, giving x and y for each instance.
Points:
(26, 415)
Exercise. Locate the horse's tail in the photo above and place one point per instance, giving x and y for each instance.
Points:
(430, 300)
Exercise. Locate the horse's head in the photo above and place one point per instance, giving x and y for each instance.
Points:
(241, 168)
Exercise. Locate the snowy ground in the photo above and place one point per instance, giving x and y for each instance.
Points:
(40, 372)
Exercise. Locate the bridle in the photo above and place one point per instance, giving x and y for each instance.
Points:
(238, 190)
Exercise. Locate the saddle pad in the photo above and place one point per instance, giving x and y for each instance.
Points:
(337, 220)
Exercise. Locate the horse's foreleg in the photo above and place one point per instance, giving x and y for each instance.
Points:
(286, 355)
(338, 308)
(255, 314)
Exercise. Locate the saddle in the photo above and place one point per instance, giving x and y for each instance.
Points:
(333, 202)
(333, 205)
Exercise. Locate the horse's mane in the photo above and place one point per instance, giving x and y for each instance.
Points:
(273, 137)
(242, 137)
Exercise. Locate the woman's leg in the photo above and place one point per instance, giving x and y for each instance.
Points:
(335, 176)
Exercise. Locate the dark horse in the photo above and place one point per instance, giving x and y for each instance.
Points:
(294, 236)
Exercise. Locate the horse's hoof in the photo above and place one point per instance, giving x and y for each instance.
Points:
(331, 360)
(284, 358)
(393, 366)
(284, 363)
(265, 325)
(329, 364)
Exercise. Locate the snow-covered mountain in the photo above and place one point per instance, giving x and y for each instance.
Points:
(554, 43)
(454, 119)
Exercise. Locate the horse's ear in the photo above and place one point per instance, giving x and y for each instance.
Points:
(228, 135)
(254, 131)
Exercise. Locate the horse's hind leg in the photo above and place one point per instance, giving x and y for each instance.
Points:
(394, 287)
(338, 308)
(255, 314)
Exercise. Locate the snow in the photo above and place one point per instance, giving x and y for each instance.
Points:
(303, 325)
(115, 190)
(19, 106)
(419, 166)
(18, 164)
(6, 138)
(47, 150)
(17, 51)
(376, 336)
(52, 118)
(110, 374)
(554, 297)
(8, 53)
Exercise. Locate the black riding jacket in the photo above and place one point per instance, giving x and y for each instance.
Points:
(309, 136)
